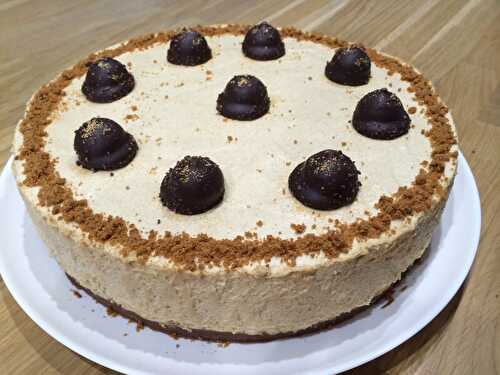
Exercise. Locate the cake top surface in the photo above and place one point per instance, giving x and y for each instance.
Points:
(171, 113)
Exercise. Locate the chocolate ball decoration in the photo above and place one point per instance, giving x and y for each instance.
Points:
(380, 115)
(102, 145)
(189, 48)
(349, 66)
(263, 42)
(325, 181)
(244, 98)
(107, 80)
(193, 186)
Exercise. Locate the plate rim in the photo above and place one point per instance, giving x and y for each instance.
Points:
(389, 345)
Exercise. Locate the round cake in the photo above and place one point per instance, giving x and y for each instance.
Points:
(236, 183)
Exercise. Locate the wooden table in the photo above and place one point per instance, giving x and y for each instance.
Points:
(455, 43)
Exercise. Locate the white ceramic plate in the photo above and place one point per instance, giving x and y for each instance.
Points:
(42, 290)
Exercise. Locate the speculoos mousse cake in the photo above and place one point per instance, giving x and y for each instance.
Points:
(238, 183)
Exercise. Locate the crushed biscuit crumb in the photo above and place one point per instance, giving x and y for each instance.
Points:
(298, 228)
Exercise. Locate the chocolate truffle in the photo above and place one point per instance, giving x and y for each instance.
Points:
(189, 48)
(107, 80)
(325, 181)
(244, 98)
(193, 186)
(102, 145)
(349, 66)
(380, 115)
(263, 42)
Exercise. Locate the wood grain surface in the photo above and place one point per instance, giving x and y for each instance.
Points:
(454, 43)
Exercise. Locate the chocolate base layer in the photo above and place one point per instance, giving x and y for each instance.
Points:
(215, 336)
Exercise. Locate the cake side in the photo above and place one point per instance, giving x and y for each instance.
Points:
(235, 302)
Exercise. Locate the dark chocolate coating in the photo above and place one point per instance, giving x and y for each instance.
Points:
(102, 145)
(244, 98)
(193, 186)
(349, 66)
(263, 42)
(325, 181)
(189, 48)
(107, 80)
(380, 115)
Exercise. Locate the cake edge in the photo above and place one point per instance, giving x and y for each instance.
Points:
(242, 338)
